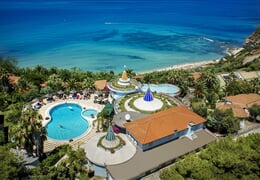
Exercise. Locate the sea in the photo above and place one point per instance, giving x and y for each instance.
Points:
(109, 35)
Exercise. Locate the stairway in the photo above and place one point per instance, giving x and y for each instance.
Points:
(50, 145)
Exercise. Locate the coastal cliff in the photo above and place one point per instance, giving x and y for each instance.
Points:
(253, 41)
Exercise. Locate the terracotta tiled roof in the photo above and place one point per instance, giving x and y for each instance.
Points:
(44, 84)
(100, 84)
(138, 77)
(162, 124)
(13, 79)
(196, 75)
(244, 100)
(237, 110)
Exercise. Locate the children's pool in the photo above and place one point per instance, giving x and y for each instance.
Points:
(90, 113)
(162, 88)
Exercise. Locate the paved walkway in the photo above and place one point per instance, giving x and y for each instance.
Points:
(51, 144)
(144, 105)
(146, 162)
(102, 157)
(153, 105)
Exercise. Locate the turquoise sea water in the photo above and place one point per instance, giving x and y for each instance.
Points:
(106, 35)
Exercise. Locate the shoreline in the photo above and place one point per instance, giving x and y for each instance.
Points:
(194, 65)
(184, 66)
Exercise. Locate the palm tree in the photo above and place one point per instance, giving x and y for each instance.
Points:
(8, 64)
(29, 132)
(148, 78)
(99, 121)
(181, 78)
(4, 81)
(88, 83)
(14, 112)
(55, 82)
(199, 89)
(71, 84)
(130, 72)
(174, 76)
(211, 81)
(64, 74)
(39, 69)
(46, 90)
(24, 84)
(255, 83)
(103, 120)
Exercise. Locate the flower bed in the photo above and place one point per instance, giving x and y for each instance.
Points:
(111, 149)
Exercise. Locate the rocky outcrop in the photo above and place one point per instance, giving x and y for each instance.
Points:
(253, 41)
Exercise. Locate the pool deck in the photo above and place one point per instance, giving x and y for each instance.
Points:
(103, 157)
(128, 162)
(51, 144)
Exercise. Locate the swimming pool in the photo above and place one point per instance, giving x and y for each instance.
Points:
(66, 122)
(89, 112)
(162, 88)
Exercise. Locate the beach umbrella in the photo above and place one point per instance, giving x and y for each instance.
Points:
(60, 92)
(35, 100)
(26, 107)
(72, 91)
(48, 96)
(99, 93)
(106, 89)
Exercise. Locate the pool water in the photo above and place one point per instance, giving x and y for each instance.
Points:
(66, 122)
(161, 88)
(89, 112)
(117, 95)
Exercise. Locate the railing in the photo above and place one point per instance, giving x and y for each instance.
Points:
(248, 129)
(178, 102)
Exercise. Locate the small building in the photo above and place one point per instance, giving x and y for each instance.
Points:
(109, 108)
(123, 85)
(240, 104)
(100, 84)
(247, 76)
(164, 126)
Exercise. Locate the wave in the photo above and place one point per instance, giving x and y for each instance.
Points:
(109, 23)
(208, 39)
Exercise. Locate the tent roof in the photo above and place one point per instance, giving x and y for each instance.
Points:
(110, 134)
(100, 84)
(148, 95)
(109, 107)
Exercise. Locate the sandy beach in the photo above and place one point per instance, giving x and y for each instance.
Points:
(229, 51)
(183, 66)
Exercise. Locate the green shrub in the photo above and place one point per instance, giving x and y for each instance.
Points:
(111, 149)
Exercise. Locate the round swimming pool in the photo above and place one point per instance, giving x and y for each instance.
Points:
(162, 88)
(66, 122)
(90, 113)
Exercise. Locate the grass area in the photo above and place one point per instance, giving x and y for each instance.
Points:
(133, 84)
(118, 86)
(111, 149)
(167, 102)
